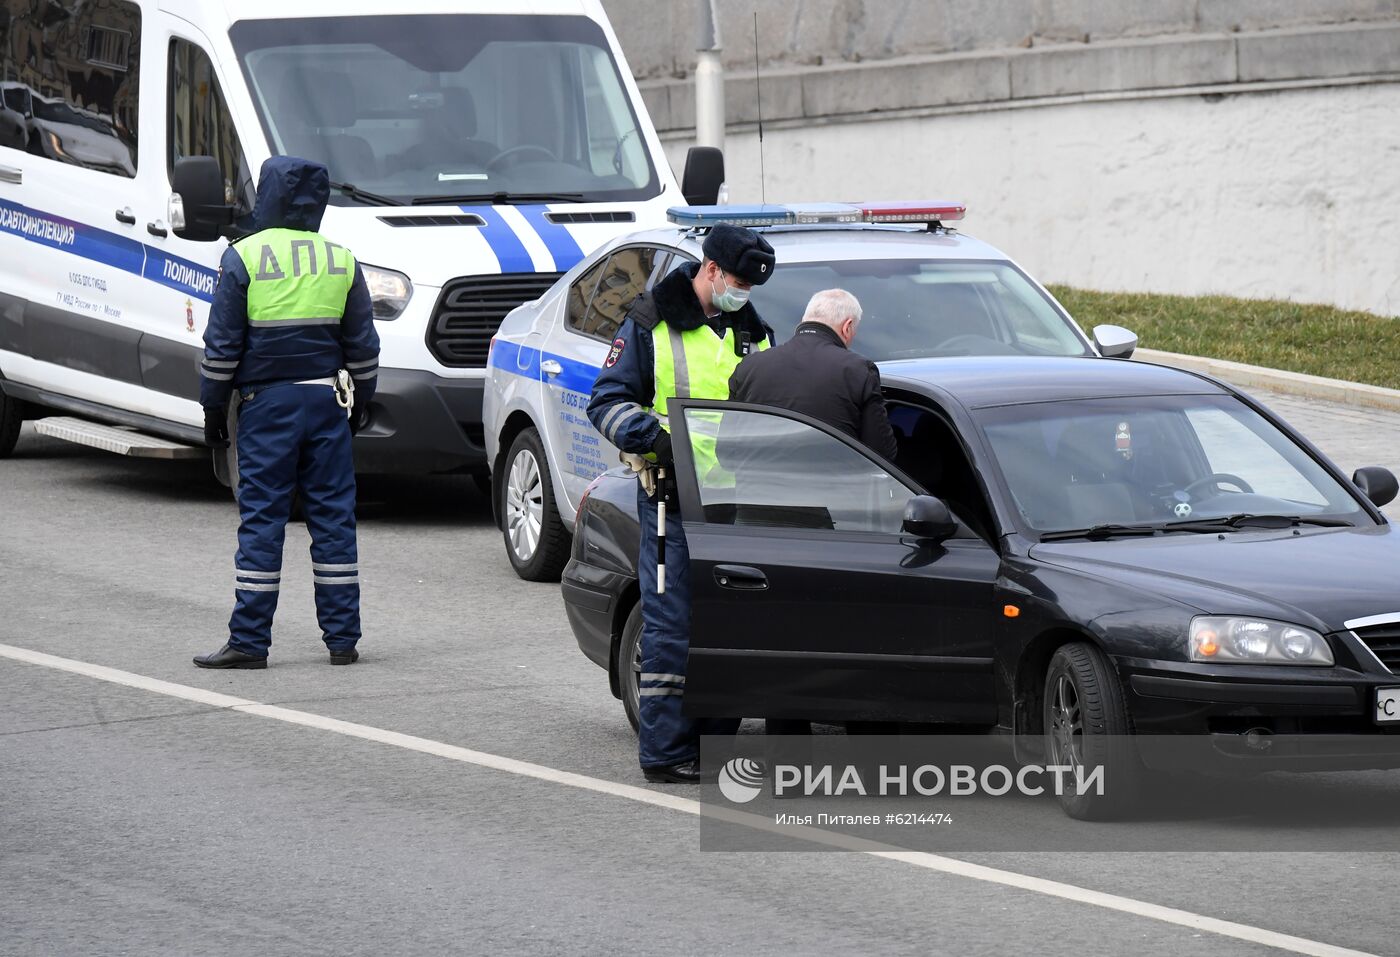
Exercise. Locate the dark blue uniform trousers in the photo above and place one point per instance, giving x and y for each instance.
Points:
(294, 437)
(667, 736)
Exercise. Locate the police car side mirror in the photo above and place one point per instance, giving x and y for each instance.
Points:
(929, 518)
(1376, 483)
(1114, 342)
(704, 175)
(197, 208)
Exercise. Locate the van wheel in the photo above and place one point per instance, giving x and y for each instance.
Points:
(629, 665)
(11, 418)
(536, 539)
(1086, 725)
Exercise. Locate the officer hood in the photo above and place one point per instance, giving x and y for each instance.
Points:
(292, 194)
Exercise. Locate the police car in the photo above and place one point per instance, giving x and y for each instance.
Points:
(925, 288)
(477, 152)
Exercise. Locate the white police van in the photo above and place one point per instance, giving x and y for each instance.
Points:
(477, 153)
(925, 290)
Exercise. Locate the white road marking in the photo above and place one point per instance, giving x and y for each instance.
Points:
(927, 861)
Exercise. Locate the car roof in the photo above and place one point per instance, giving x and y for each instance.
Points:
(830, 241)
(983, 381)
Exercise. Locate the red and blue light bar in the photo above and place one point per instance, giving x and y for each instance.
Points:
(791, 214)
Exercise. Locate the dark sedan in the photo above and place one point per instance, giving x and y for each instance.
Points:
(1064, 548)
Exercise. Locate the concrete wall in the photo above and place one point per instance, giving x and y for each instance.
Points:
(1248, 147)
(1290, 194)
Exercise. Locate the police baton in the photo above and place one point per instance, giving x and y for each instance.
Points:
(661, 531)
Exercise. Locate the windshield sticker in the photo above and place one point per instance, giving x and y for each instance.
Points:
(1123, 441)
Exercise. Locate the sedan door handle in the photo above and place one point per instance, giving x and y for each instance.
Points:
(551, 367)
(157, 228)
(126, 216)
(741, 578)
(12, 174)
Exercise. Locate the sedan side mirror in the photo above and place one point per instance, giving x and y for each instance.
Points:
(1115, 342)
(703, 176)
(1376, 483)
(929, 518)
(197, 208)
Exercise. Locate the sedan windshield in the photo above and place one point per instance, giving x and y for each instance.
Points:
(914, 308)
(438, 108)
(1155, 460)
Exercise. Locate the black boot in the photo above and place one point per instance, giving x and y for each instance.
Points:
(227, 657)
(687, 772)
(347, 657)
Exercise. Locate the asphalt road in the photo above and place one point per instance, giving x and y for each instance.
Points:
(134, 820)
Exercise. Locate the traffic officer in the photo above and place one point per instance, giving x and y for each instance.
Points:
(683, 339)
(291, 331)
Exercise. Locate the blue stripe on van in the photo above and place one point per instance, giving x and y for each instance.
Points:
(80, 239)
(509, 250)
(562, 245)
(119, 252)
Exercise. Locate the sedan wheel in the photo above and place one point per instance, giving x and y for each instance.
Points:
(1086, 727)
(629, 666)
(537, 542)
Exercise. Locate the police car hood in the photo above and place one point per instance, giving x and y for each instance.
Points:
(292, 194)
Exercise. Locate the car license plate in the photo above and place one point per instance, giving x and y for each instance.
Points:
(1388, 706)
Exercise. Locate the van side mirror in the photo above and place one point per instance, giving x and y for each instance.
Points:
(197, 208)
(704, 174)
(1115, 342)
(1376, 483)
(929, 518)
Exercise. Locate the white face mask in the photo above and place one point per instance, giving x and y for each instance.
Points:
(731, 300)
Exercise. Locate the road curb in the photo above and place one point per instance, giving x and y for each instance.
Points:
(1291, 383)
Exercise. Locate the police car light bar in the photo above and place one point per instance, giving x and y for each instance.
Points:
(707, 216)
(911, 212)
(814, 213)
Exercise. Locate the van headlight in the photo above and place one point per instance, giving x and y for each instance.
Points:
(390, 291)
(1219, 638)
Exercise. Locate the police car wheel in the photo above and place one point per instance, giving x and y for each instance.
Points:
(11, 418)
(629, 665)
(536, 540)
(1086, 726)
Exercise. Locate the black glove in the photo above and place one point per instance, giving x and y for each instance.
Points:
(662, 448)
(216, 427)
(359, 417)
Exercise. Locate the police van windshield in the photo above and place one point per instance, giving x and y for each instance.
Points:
(915, 308)
(437, 108)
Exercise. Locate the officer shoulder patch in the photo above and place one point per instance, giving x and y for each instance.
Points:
(618, 345)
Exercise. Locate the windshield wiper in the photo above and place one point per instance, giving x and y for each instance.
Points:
(364, 196)
(1249, 520)
(496, 199)
(1100, 531)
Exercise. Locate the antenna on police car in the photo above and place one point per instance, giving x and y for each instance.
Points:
(758, 96)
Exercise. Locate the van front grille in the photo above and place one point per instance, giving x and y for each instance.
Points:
(1384, 642)
(470, 310)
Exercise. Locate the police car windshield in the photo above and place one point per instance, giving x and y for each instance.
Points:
(416, 107)
(1155, 460)
(914, 308)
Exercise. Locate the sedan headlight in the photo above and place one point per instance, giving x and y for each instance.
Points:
(390, 291)
(1256, 641)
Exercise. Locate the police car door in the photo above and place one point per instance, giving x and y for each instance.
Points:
(596, 306)
(197, 122)
(808, 599)
(71, 249)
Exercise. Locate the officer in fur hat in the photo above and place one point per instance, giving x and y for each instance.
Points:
(683, 339)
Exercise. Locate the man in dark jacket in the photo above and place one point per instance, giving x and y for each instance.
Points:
(817, 374)
(291, 329)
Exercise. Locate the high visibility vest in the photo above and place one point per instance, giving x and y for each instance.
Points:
(296, 278)
(695, 364)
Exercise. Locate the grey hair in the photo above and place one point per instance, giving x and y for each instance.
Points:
(831, 307)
